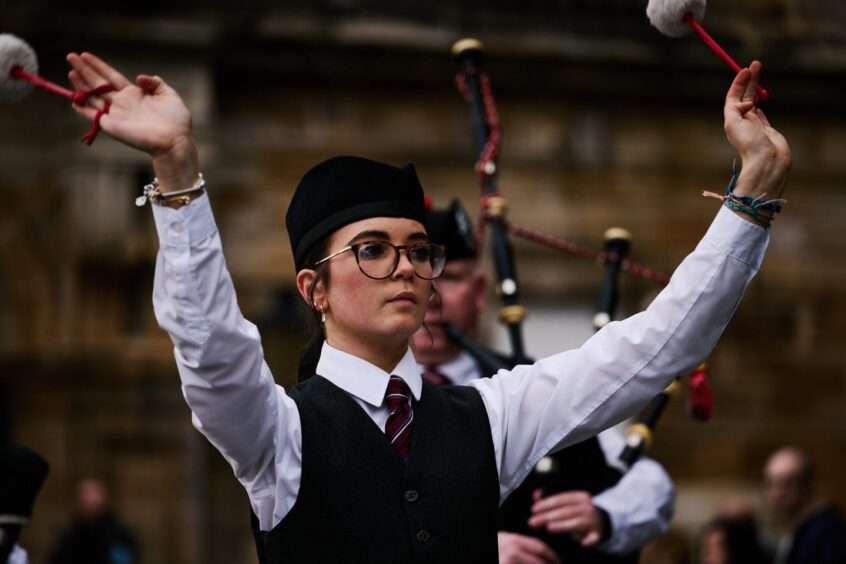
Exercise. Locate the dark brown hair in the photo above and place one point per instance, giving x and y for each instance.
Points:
(314, 331)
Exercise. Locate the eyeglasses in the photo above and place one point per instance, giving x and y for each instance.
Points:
(379, 259)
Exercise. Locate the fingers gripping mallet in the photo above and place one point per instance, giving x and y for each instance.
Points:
(19, 74)
(676, 17)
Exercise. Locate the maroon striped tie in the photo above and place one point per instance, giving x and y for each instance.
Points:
(401, 418)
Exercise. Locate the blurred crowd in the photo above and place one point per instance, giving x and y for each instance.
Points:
(793, 527)
(93, 535)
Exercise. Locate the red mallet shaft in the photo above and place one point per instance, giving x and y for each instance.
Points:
(19, 73)
(763, 94)
(78, 97)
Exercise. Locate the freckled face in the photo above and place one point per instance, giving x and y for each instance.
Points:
(390, 309)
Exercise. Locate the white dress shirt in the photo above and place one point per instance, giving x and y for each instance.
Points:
(640, 506)
(17, 556)
(558, 401)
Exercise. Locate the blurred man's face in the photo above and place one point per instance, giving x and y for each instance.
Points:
(713, 548)
(786, 485)
(462, 296)
(92, 502)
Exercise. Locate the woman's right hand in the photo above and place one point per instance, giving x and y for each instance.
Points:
(148, 115)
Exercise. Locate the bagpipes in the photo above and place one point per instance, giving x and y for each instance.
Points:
(673, 18)
(486, 129)
(583, 466)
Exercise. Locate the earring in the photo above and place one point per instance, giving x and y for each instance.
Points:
(322, 313)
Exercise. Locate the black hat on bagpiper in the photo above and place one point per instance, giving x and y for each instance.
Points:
(345, 189)
(23, 473)
(453, 228)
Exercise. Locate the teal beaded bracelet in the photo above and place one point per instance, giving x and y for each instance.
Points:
(757, 208)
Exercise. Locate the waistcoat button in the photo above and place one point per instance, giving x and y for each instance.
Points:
(423, 535)
(411, 496)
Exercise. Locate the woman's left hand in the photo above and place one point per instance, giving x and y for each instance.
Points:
(764, 152)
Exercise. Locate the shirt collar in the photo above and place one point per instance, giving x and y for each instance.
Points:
(364, 380)
(460, 369)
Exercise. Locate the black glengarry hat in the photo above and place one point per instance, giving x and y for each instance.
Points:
(345, 189)
(453, 228)
(23, 473)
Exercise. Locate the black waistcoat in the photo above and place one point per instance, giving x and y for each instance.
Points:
(360, 502)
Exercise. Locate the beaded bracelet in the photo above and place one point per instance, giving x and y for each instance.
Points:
(757, 208)
(734, 206)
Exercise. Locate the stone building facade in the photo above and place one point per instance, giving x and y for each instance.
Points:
(606, 123)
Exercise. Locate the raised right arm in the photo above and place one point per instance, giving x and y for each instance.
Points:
(233, 398)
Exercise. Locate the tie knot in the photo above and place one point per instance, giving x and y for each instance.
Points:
(397, 392)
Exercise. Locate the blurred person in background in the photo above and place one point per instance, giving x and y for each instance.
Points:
(96, 535)
(22, 473)
(611, 525)
(808, 531)
(673, 547)
(730, 540)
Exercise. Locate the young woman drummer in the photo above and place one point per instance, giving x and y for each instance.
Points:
(365, 463)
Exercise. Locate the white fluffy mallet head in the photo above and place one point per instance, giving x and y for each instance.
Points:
(14, 51)
(668, 15)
